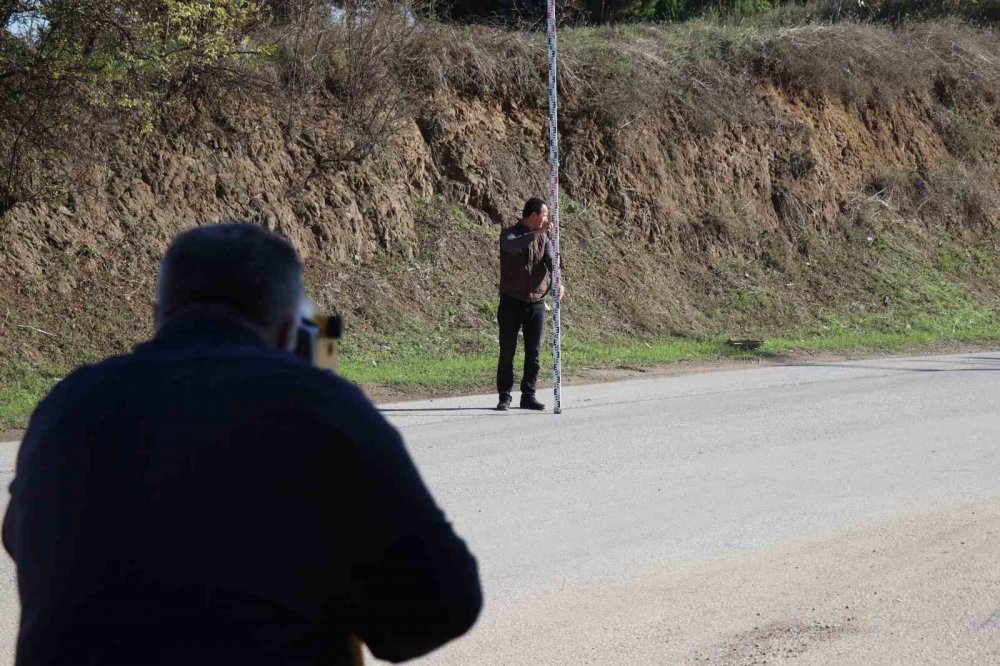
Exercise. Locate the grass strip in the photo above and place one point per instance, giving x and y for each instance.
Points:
(23, 385)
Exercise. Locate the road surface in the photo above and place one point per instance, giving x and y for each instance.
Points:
(830, 514)
(846, 513)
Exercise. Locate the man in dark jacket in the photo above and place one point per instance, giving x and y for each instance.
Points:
(525, 279)
(211, 499)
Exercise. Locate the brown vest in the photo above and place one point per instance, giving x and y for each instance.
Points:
(524, 275)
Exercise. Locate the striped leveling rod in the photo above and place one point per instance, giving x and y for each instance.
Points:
(554, 203)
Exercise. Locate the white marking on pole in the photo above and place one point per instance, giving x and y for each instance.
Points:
(554, 203)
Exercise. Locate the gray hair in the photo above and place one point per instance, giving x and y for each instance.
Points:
(242, 270)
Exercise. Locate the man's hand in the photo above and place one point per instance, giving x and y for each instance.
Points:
(562, 292)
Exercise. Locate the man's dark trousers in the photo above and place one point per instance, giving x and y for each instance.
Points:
(514, 315)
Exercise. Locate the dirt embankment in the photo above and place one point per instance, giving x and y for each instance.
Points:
(803, 205)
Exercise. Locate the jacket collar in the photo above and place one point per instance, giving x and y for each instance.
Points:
(203, 331)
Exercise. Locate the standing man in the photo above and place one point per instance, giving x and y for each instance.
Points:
(211, 499)
(525, 279)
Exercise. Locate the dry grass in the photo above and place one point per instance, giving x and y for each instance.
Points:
(696, 201)
(703, 73)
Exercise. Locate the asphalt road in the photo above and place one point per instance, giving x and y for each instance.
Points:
(831, 514)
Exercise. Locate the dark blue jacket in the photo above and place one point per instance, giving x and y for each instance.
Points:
(208, 500)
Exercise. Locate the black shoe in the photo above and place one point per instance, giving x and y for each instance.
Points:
(529, 402)
(504, 403)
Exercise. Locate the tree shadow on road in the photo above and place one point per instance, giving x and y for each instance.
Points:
(894, 368)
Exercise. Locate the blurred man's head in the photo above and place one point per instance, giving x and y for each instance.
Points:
(535, 214)
(240, 272)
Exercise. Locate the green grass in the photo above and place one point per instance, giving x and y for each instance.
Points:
(21, 387)
(420, 368)
(918, 304)
(477, 370)
(922, 305)
(474, 372)
(852, 343)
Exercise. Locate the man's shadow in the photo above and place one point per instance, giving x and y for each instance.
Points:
(441, 409)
